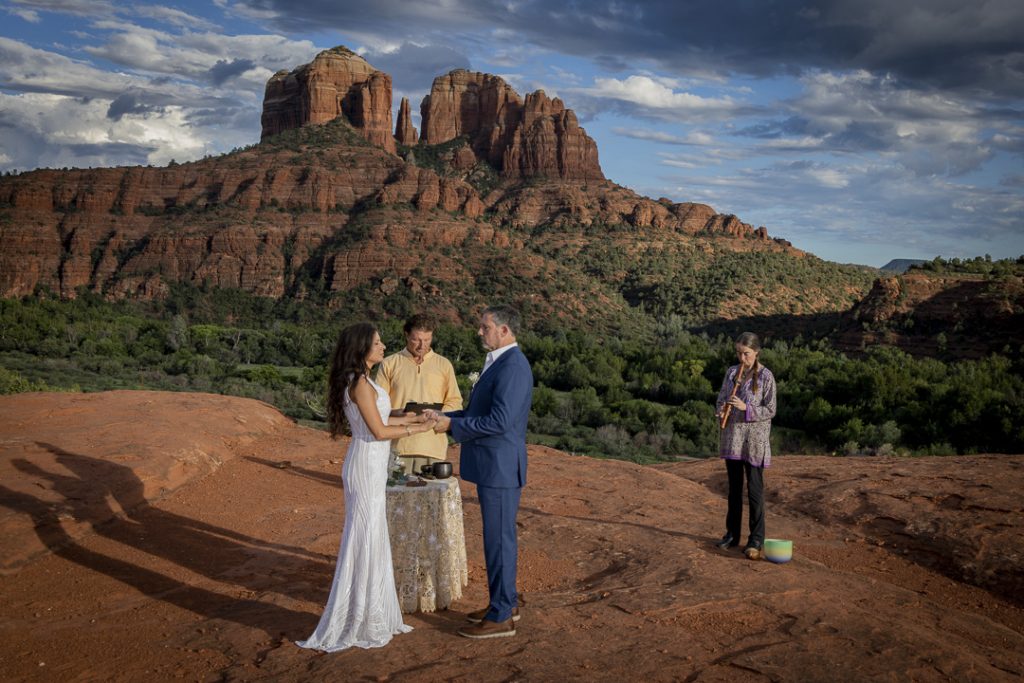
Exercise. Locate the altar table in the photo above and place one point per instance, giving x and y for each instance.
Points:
(428, 546)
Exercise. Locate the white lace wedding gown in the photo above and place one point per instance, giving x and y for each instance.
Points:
(363, 609)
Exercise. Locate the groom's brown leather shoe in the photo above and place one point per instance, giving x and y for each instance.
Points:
(478, 616)
(490, 629)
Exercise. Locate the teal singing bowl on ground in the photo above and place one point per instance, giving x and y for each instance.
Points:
(778, 550)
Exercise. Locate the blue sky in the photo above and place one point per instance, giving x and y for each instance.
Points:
(860, 130)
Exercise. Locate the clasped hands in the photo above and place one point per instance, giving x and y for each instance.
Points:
(441, 421)
(419, 420)
(436, 420)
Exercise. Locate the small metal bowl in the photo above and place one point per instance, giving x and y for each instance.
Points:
(442, 469)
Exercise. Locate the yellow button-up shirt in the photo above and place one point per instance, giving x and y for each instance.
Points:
(432, 381)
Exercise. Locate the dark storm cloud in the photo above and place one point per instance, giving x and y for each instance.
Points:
(855, 136)
(864, 136)
(949, 44)
(35, 149)
(612, 63)
(142, 101)
(129, 103)
(414, 68)
(84, 8)
(772, 130)
(240, 118)
(8, 121)
(224, 71)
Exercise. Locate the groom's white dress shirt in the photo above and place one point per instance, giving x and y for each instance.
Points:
(494, 355)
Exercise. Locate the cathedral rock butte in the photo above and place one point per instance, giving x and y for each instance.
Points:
(537, 136)
(339, 195)
(336, 82)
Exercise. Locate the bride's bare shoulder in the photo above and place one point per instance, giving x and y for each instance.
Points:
(362, 388)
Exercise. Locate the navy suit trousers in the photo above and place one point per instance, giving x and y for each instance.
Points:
(499, 507)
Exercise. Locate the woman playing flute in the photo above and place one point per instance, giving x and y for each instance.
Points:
(744, 445)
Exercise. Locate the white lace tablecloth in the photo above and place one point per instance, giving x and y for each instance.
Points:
(428, 546)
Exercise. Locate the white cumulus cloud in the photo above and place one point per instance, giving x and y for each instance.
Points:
(654, 94)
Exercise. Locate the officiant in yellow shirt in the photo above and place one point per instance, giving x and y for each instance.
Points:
(418, 375)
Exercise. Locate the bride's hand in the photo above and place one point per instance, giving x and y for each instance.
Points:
(425, 426)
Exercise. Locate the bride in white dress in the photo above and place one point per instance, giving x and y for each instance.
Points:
(362, 609)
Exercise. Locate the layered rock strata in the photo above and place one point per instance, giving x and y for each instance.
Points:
(327, 210)
(957, 315)
(252, 220)
(521, 139)
(337, 82)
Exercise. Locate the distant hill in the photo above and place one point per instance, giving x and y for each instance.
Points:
(901, 265)
(956, 311)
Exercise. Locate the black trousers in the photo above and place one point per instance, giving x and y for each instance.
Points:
(755, 497)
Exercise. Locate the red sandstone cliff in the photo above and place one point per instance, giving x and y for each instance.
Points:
(337, 82)
(249, 220)
(327, 206)
(405, 133)
(936, 314)
(538, 137)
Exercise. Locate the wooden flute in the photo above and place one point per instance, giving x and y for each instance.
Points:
(735, 387)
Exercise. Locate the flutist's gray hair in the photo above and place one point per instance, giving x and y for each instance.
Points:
(750, 340)
(505, 315)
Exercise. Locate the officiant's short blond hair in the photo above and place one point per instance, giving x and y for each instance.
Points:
(505, 315)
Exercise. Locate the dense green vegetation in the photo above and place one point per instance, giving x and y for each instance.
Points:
(981, 265)
(635, 398)
(438, 158)
(682, 281)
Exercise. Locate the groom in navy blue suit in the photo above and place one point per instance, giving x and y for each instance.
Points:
(492, 431)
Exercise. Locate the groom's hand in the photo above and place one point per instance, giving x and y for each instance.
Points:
(443, 421)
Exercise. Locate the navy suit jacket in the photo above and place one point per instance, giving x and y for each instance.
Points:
(492, 428)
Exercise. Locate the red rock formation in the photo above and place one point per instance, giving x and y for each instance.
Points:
(336, 82)
(693, 217)
(222, 221)
(961, 315)
(426, 190)
(272, 219)
(549, 142)
(903, 569)
(405, 132)
(481, 106)
(539, 137)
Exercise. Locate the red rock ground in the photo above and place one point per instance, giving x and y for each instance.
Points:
(153, 537)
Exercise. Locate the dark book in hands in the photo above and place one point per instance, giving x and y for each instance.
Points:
(418, 408)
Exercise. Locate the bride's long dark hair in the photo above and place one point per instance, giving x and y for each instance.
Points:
(348, 364)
